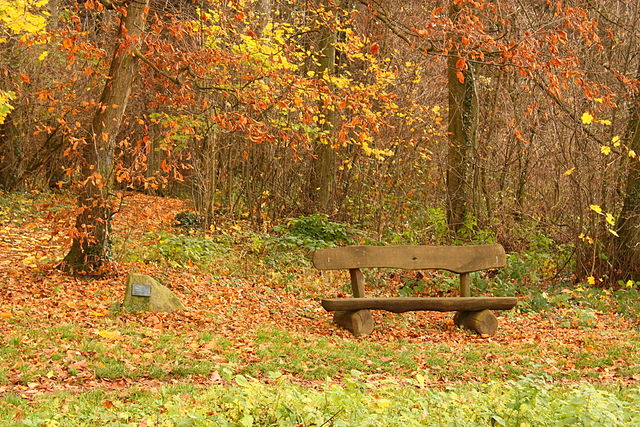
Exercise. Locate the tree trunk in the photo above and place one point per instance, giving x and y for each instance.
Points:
(463, 107)
(628, 251)
(91, 242)
(322, 183)
(11, 154)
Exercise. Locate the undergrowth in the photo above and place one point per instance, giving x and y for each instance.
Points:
(538, 274)
(244, 401)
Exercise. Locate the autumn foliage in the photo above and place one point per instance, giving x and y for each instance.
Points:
(268, 111)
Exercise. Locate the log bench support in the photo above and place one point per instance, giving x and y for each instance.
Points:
(358, 322)
(473, 313)
(483, 322)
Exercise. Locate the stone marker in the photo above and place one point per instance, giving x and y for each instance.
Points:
(146, 294)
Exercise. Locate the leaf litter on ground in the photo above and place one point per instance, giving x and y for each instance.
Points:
(62, 332)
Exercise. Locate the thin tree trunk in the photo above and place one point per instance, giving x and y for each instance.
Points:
(323, 174)
(463, 107)
(91, 243)
(628, 253)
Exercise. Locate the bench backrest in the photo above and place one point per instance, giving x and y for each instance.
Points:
(457, 259)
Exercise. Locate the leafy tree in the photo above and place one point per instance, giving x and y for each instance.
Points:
(91, 240)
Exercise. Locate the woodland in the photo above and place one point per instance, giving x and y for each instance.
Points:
(214, 145)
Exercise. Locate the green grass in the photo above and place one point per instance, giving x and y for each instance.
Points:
(32, 353)
(357, 401)
(321, 357)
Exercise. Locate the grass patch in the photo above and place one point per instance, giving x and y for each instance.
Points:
(322, 357)
(243, 401)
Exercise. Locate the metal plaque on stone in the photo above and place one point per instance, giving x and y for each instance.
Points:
(141, 290)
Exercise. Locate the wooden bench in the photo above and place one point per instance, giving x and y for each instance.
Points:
(472, 312)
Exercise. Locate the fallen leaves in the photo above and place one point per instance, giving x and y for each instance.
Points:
(110, 335)
(58, 324)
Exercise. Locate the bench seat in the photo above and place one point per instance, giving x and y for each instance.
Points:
(402, 305)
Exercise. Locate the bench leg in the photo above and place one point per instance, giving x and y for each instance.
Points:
(483, 322)
(357, 322)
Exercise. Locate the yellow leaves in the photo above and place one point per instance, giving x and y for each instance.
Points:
(16, 17)
(29, 260)
(97, 314)
(610, 219)
(345, 164)
(615, 142)
(5, 107)
(340, 82)
(382, 403)
(364, 140)
(43, 55)
(587, 118)
(569, 171)
(591, 280)
(110, 335)
(267, 50)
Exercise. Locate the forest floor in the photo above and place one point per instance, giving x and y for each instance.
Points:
(253, 314)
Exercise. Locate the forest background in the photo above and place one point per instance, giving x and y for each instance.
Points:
(288, 126)
(470, 120)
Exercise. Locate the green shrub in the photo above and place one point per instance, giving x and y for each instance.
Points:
(189, 220)
(412, 287)
(177, 249)
(628, 301)
(312, 232)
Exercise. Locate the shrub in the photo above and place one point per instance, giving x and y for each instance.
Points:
(189, 220)
(312, 232)
(178, 249)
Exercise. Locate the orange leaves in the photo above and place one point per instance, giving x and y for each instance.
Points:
(461, 64)
(422, 33)
(374, 48)
(164, 166)
(67, 43)
(520, 137)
